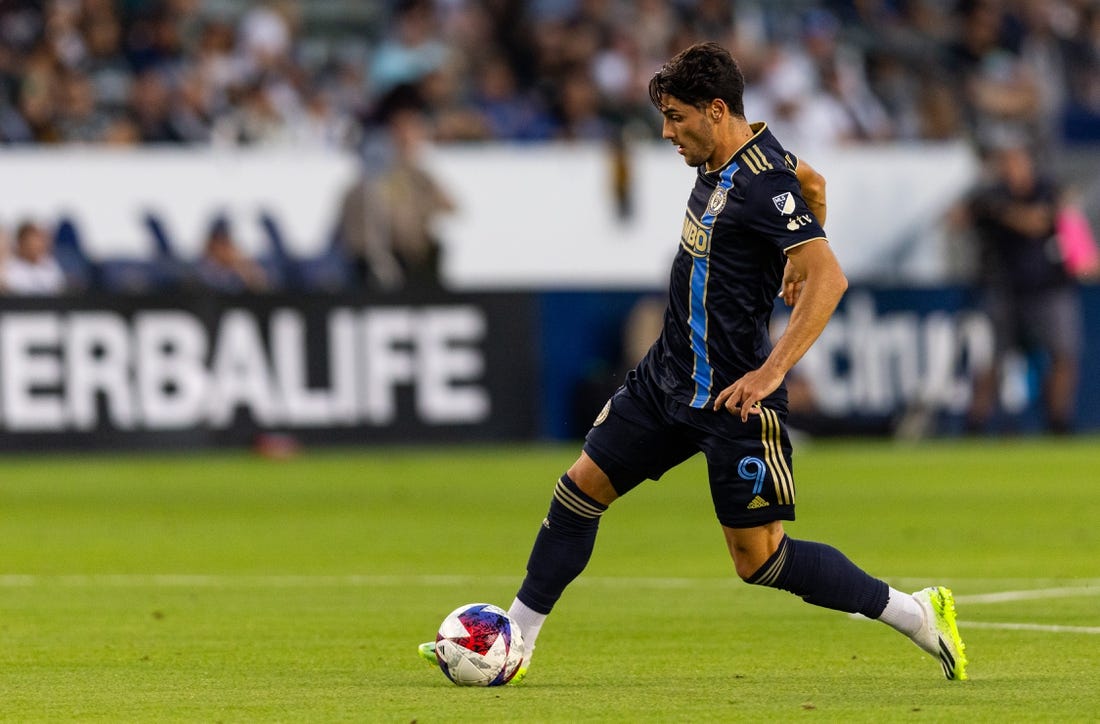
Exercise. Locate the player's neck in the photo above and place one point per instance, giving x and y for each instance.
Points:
(729, 137)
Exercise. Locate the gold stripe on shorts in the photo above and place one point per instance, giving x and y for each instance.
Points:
(773, 456)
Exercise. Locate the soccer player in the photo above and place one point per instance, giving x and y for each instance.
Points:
(712, 382)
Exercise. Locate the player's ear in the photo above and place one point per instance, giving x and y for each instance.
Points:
(717, 109)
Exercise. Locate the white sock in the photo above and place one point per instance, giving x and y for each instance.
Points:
(902, 612)
(530, 622)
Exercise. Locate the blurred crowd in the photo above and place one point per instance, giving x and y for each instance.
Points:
(830, 71)
(390, 75)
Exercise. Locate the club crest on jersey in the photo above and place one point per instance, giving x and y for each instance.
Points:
(784, 202)
(717, 201)
(603, 414)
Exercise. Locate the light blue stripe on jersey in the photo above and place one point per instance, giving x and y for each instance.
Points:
(703, 373)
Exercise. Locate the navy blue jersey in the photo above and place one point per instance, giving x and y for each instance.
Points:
(741, 219)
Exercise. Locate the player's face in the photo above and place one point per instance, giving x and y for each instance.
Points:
(689, 128)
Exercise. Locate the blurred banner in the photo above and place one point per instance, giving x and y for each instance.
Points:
(189, 372)
(547, 216)
(113, 199)
(554, 216)
(892, 361)
(192, 372)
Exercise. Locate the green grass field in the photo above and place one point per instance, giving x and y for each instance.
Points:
(225, 587)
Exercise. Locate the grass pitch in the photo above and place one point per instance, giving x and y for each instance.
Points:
(232, 588)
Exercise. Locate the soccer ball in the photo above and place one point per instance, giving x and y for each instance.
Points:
(479, 645)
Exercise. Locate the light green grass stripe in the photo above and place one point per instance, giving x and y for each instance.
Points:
(171, 580)
(1045, 590)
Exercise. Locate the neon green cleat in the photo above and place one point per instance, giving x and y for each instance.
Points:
(517, 678)
(940, 634)
(426, 651)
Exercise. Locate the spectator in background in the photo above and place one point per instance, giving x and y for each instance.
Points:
(411, 50)
(999, 92)
(105, 62)
(31, 269)
(191, 116)
(321, 123)
(37, 96)
(1026, 289)
(851, 71)
(224, 268)
(816, 89)
(81, 119)
(149, 107)
(389, 215)
(1084, 51)
(509, 112)
(266, 36)
(154, 38)
(255, 120)
(578, 110)
(450, 113)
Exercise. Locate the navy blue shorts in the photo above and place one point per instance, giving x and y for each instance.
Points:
(642, 433)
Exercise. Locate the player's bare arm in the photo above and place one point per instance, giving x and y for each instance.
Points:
(814, 266)
(813, 191)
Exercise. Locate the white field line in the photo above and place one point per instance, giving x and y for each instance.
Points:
(1029, 595)
(904, 583)
(1041, 627)
(179, 580)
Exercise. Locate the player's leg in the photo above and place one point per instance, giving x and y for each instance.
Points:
(818, 573)
(630, 441)
(752, 487)
(823, 576)
(561, 550)
(564, 544)
(753, 491)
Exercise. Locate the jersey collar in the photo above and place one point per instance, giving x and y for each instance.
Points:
(758, 128)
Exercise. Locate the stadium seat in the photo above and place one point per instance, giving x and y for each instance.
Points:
(78, 268)
(328, 271)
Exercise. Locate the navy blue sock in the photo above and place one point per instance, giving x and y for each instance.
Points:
(823, 576)
(563, 546)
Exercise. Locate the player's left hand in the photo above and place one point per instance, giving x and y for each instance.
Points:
(743, 397)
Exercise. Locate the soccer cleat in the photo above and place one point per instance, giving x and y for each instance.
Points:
(522, 670)
(426, 651)
(939, 636)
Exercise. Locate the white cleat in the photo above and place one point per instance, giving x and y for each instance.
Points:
(939, 636)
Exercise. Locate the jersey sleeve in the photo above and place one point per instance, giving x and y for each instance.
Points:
(775, 209)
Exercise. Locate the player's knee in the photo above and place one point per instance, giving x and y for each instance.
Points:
(592, 481)
(747, 564)
(752, 548)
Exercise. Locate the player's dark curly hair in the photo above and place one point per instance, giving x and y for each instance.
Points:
(698, 75)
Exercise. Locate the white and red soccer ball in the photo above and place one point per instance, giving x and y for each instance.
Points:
(479, 645)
